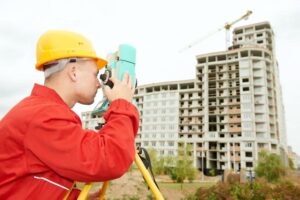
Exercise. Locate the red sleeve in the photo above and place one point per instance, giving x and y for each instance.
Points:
(58, 140)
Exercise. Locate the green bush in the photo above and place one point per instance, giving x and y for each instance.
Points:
(291, 164)
(270, 166)
(233, 178)
(260, 189)
(286, 190)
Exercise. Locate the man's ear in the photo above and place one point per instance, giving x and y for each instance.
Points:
(72, 72)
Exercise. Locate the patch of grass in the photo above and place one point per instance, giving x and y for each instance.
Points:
(177, 186)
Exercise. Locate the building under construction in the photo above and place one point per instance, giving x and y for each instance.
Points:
(229, 112)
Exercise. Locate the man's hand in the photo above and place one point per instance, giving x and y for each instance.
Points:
(121, 90)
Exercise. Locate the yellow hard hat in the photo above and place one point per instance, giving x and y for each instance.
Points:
(57, 44)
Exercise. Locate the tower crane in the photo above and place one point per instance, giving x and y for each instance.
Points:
(227, 27)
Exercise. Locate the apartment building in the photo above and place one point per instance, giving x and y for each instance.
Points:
(91, 121)
(231, 110)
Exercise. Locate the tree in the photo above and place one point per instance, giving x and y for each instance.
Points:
(184, 165)
(156, 162)
(291, 164)
(269, 166)
(191, 172)
(161, 164)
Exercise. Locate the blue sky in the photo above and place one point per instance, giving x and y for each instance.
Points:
(158, 29)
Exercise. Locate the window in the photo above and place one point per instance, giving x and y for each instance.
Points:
(171, 143)
(246, 115)
(245, 80)
(171, 127)
(245, 89)
(249, 164)
(248, 144)
(248, 134)
(171, 118)
(261, 145)
(248, 154)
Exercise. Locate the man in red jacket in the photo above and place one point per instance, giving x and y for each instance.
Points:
(43, 146)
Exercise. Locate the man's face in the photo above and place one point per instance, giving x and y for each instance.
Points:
(87, 83)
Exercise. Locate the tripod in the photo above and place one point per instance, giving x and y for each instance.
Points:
(153, 187)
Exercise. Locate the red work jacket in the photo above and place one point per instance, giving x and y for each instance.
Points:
(44, 148)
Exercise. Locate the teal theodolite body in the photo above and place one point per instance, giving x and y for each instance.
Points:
(118, 63)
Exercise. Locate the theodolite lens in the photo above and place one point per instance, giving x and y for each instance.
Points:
(105, 80)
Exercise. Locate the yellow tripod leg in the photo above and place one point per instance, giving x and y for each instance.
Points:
(155, 191)
(103, 190)
(85, 191)
(148, 178)
(87, 187)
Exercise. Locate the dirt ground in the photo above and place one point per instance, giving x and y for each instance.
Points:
(132, 186)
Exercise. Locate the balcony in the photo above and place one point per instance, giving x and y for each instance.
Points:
(224, 130)
(185, 106)
(223, 149)
(213, 148)
(195, 105)
(185, 122)
(235, 148)
(234, 129)
(235, 158)
(200, 149)
(234, 111)
(185, 130)
(185, 114)
(233, 103)
(223, 158)
(234, 120)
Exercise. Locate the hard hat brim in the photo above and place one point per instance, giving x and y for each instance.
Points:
(100, 63)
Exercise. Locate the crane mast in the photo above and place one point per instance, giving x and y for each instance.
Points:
(229, 25)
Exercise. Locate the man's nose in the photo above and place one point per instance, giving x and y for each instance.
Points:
(98, 84)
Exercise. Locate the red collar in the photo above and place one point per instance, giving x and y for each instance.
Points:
(44, 91)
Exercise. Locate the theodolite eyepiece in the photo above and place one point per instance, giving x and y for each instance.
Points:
(105, 80)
